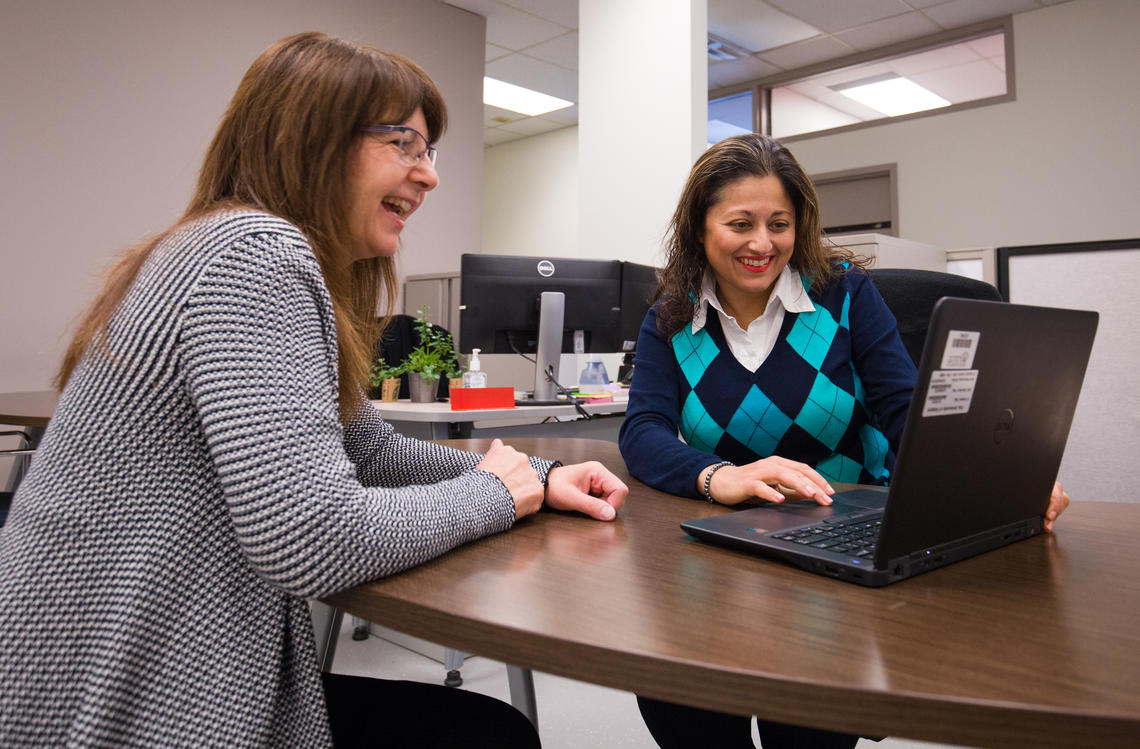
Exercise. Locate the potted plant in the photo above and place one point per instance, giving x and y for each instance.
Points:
(387, 378)
(432, 358)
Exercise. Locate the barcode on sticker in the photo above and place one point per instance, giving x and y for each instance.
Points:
(961, 343)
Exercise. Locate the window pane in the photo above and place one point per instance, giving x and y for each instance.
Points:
(947, 75)
(730, 115)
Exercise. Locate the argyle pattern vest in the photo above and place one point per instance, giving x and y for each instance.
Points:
(805, 402)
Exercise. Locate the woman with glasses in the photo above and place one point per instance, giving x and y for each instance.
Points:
(213, 464)
(777, 362)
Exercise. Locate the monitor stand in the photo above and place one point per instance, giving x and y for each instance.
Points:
(548, 352)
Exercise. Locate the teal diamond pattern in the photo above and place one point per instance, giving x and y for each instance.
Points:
(694, 353)
(827, 412)
(875, 447)
(812, 335)
(845, 315)
(839, 468)
(758, 423)
(698, 428)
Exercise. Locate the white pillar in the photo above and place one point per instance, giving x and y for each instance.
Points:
(642, 119)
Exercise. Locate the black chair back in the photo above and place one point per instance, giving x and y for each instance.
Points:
(399, 338)
(910, 294)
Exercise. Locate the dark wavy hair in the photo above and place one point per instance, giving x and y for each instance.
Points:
(730, 160)
(283, 147)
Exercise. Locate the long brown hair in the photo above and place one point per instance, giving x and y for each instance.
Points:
(730, 160)
(283, 148)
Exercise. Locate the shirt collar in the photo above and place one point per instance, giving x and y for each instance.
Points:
(789, 289)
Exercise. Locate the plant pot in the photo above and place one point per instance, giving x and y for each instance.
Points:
(390, 389)
(423, 389)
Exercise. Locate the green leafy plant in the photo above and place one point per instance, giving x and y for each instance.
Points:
(382, 371)
(434, 357)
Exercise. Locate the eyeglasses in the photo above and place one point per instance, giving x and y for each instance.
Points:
(407, 142)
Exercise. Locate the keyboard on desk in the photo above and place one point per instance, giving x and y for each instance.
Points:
(852, 536)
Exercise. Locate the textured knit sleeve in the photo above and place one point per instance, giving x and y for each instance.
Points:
(886, 369)
(258, 350)
(384, 457)
(648, 439)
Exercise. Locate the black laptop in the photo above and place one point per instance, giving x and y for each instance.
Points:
(997, 387)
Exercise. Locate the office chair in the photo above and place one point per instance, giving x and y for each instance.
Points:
(910, 294)
(399, 339)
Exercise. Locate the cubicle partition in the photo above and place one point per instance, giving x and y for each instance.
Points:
(1100, 460)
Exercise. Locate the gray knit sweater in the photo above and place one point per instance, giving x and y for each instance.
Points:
(193, 489)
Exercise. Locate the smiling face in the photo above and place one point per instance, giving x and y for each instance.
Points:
(384, 191)
(750, 234)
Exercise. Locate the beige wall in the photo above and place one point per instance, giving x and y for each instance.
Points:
(107, 107)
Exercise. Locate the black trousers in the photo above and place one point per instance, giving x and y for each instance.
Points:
(682, 727)
(366, 712)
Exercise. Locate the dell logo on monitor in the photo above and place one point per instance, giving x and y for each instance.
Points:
(545, 268)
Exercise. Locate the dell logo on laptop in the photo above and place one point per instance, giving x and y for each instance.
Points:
(545, 268)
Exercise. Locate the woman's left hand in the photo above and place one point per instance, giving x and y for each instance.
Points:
(588, 488)
(1058, 501)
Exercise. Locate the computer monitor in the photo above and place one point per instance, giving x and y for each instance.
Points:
(638, 285)
(499, 302)
(513, 304)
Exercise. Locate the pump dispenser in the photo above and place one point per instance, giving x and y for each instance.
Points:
(474, 377)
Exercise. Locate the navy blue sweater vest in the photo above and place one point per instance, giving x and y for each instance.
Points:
(807, 401)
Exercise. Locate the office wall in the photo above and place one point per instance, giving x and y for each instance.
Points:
(107, 107)
(534, 210)
(1059, 164)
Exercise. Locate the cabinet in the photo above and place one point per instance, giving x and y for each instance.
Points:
(891, 252)
(440, 292)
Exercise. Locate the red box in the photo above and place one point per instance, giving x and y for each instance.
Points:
(471, 399)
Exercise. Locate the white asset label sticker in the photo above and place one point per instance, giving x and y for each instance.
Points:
(960, 348)
(950, 392)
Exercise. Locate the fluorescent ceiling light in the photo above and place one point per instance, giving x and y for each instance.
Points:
(892, 95)
(518, 99)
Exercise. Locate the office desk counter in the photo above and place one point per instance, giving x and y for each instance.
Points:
(1036, 644)
(437, 416)
(30, 410)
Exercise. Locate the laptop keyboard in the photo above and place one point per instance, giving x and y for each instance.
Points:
(855, 536)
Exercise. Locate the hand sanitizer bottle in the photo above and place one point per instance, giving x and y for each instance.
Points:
(474, 377)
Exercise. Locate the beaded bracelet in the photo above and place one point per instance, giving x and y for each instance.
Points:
(708, 477)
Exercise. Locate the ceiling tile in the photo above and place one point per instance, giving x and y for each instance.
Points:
(889, 31)
(510, 27)
(956, 13)
(494, 52)
(493, 116)
(564, 117)
(564, 12)
(562, 51)
(755, 25)
(522, 70)
(532, 126)
(831, 16)
(741, 70)
(808, 52)
(493, 136)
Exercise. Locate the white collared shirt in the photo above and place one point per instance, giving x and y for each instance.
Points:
(752, 346)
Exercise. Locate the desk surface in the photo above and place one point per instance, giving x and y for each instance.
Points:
(1036, 644)
(32, 408)
(438, 411)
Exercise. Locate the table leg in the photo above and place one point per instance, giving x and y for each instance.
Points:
(326, 628)
(521, 683)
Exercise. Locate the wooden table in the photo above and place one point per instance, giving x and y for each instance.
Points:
(1036, 644)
